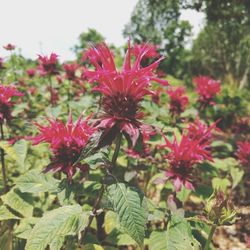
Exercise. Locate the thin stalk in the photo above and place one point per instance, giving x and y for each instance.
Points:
(93, 213)
(3, 162)
(99, 198)
(51, 92)
(117, 149)
(210, 236)
(13, 66)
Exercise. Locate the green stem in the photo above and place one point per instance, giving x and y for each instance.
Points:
(3, 163)
(51, 92)
(13, 66)
(117, 149)
(210, 236)
(93, 213)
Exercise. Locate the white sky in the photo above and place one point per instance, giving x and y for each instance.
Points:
(48, 26)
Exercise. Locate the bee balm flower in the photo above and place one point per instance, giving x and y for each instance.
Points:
(66, 142)
(182, 158)
(243, 153)
(122, 91)
(48, 65)
(178, 100)
(207, 88)
(6, 94)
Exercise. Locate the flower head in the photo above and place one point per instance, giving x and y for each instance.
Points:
(66, 142)
(70, 70)
(31, 72)
(199, 129)
(243, 153)
(6, 94)
(178, 100)
(9, 46)
(48, 65)
(122, 90)
(151, 50)
(207, 88)
(182, 158)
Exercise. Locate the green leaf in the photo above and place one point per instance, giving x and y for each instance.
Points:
(158, 240)
(220, 183)
(130, 205)
(21, 149)
(236, 175)
(5, 214)
(8, 149)
(35, 182)
(19, 202)
(23, 230)
(55, 224)
(93, 247)
(177, 237)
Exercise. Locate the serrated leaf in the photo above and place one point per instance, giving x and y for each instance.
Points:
(24, 228)
(130, 205)
(19, 202)
(60, 222)
(111, 221)
(21, 149)
(177, 237)
(5, 214)
(236, 175)
(158, 240)
(220, 183)
(35, 182)
(8, 149)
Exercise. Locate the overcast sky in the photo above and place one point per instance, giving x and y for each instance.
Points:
(48, 26)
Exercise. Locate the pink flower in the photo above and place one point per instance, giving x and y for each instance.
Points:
(243, 153)
(178, 100)
(142, 151)
(182, 158)
(122, 90)
(48, 65)
(31, 72)
(151, 50)
(207, 88)
(66, 142)
(198, 129)
(9, 46)
(6, 94)
(70, 70)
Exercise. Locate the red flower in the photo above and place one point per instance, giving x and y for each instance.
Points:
(142, 150)
(48, 65)
(243, 153)
(207, 88)
(182, 158)
(6, 94)
(178, 100)
(9, 46)
(66, 142)
(70, 70)
(122, 90)
(151, 50)
(31, 72)
(198, 129)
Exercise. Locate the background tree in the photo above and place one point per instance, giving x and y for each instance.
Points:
(222, 49)
(158, 22)
(85, 38)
